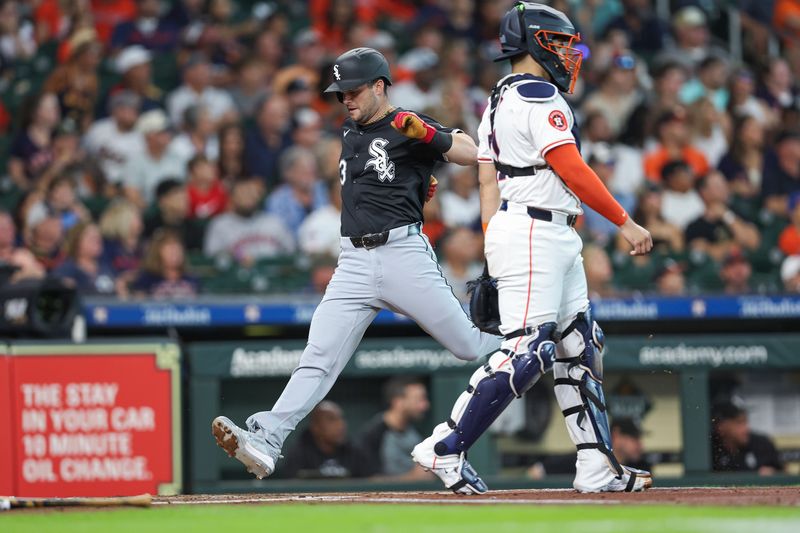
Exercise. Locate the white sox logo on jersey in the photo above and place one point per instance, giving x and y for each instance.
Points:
(380, 160)
(336, 73)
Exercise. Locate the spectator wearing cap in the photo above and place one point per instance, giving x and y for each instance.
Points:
(422, 90)
(199, 135)
(114, 141)
(618, 94)
(669, 279)
(735, 273)
(307, 129)
(159, 160)
(75, 82)
(601, 160)
(674, 143)
(310, 54)
(147, 29)
(461, 203)
(16, 256)
(134, 64)
(781, 173)
(245, 233)
(789, 240)
(319, 234)
(644, 30)
(734, 448)
(172, 213)
(299, 95)
(719, 230)
(83, 267)
(207, 196)
(692, 36)
(626, 441)
(301, 193)
(710, 82)
(251, 85)
(743, 165)
(197, 90)
(790, 274)
(680, 202)
(267, 139)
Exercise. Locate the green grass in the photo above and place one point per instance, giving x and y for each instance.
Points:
(412, 519)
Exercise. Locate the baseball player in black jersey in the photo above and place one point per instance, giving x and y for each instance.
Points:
(386, 261)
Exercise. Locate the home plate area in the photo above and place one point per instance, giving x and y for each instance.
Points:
(721, 496)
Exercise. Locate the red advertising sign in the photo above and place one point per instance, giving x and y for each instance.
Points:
(6, 449)
(95, 420)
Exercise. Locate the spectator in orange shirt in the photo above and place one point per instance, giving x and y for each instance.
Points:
(673, 138)
(789, 241)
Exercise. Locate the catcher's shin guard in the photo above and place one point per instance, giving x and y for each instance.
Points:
(491, 388)
(578, 372)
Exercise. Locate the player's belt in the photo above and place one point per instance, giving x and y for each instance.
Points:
(513, 172)
(373, 240)
(541, 214)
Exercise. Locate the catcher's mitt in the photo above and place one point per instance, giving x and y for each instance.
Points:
(483, 306)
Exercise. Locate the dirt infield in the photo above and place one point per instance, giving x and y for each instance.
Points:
(742, 496)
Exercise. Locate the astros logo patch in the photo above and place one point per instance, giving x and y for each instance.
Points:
(558, 120)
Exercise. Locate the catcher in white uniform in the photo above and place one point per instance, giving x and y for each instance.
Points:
(533, 181)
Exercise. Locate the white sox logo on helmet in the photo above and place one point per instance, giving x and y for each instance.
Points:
(336, 73)
(380, 160)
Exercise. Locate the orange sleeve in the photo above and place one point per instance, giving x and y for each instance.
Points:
(567, 162)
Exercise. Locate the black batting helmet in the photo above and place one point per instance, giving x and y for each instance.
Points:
(357, 67)
(533, 29)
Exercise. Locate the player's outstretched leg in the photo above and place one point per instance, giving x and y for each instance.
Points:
(247, 447)
(578, 372)
(491, 388)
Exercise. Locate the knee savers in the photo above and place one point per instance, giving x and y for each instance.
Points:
(492, 387)
(578, 374)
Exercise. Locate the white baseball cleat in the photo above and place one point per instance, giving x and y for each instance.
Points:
(247, 447)
(454, 470)
(632, 480)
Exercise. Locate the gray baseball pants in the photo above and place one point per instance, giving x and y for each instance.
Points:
(403, 276)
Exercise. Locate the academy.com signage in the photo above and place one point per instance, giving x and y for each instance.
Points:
(714, 356)
(280, 361)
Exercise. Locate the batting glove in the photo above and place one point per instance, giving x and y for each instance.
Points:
(410, 125)
(431, 189)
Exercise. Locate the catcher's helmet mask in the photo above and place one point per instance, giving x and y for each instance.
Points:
(548, 36)
(357, 67)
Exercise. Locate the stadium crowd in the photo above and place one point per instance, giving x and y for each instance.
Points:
(165, 148)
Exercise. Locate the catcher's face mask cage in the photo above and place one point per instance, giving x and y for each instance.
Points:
(568, 58)
(548, 36)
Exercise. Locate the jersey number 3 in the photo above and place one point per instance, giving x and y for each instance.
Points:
(342, 171)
